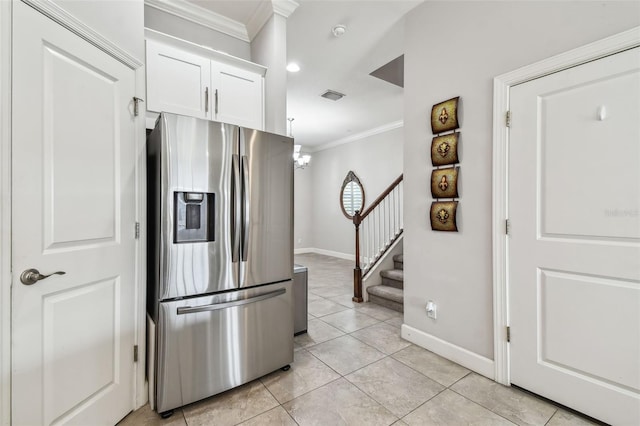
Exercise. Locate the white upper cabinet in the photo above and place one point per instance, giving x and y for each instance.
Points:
(238, 96)
(185, 78)
(177, 81)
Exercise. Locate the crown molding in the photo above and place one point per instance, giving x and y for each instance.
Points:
(201, 16)
(259, 18)
(358, 136)
(284, 7)
(266, 10)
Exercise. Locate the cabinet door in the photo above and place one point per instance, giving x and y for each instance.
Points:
(177, 81)
(238, 97)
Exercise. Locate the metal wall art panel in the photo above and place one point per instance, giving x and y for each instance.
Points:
(444, 116)
(443, 216)
(444, 149)
(444, 183)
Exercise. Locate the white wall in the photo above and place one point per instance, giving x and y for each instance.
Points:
(169, 24)
(376, 160)
(269, 48)
(455, 49)
(302, 208)
(120, 21)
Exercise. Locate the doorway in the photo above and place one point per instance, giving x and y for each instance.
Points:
(73, 209)
(570, 264)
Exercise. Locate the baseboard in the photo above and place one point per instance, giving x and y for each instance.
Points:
(303, 250)
(331, 253)
(464, 357)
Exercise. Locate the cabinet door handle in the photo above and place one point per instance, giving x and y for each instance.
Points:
(206, 99)
(216, 98)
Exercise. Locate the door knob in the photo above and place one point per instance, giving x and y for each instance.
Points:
(32, 276)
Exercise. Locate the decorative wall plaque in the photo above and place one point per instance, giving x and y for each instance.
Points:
(444, 116)
(444, 183)
(443, 216)
(444, 149)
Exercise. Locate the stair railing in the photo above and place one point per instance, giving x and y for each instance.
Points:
(377, 228)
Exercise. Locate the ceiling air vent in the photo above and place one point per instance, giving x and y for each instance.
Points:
(333, 95)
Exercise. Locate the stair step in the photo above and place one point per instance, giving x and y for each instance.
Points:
(390, 297)
(393, 278)
(398, 261)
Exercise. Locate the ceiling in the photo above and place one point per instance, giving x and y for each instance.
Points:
(373, 37)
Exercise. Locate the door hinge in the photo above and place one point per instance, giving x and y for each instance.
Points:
(507, 226)
(135, 353)
(508, 118)
(136, 108)
(137, 230)
(508, 334)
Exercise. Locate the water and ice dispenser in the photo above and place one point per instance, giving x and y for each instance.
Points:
(194, 214)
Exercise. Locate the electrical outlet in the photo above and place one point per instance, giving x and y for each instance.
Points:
(431, 309)
(299, 240)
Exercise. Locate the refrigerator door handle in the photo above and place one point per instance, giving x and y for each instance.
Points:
(236, 210)
(217, 306)
(246, 205)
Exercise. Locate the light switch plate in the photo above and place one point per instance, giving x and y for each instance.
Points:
(431, 309)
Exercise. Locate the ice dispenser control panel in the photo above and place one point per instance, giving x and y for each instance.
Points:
(194, 217)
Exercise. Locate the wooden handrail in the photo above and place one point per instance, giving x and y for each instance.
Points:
(382, 196)
(357, 220)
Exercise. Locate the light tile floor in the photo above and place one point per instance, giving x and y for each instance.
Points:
(353, 368)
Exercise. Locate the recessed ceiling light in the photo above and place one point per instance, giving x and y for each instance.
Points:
(293, 67)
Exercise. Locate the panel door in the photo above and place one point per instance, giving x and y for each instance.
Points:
(574, 205)
(267, 215)
(73, 164)
(177, 81)
(238, 98)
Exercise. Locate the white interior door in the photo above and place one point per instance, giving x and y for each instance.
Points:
(73, 210)
(574, 247)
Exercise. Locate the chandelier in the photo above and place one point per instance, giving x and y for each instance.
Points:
(300, 161)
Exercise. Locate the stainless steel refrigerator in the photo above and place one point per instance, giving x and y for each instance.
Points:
(220, 257)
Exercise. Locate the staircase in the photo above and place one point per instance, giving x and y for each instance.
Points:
(390, 293)
(377, 229)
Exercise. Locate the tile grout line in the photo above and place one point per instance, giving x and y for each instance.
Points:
(371, 396)
(276, 399)
(480, 405)
(326, 365)
(427, 401)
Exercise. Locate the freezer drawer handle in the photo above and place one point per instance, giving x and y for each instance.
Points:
(217, 306)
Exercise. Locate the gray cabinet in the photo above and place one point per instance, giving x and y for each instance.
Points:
(300, 283)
